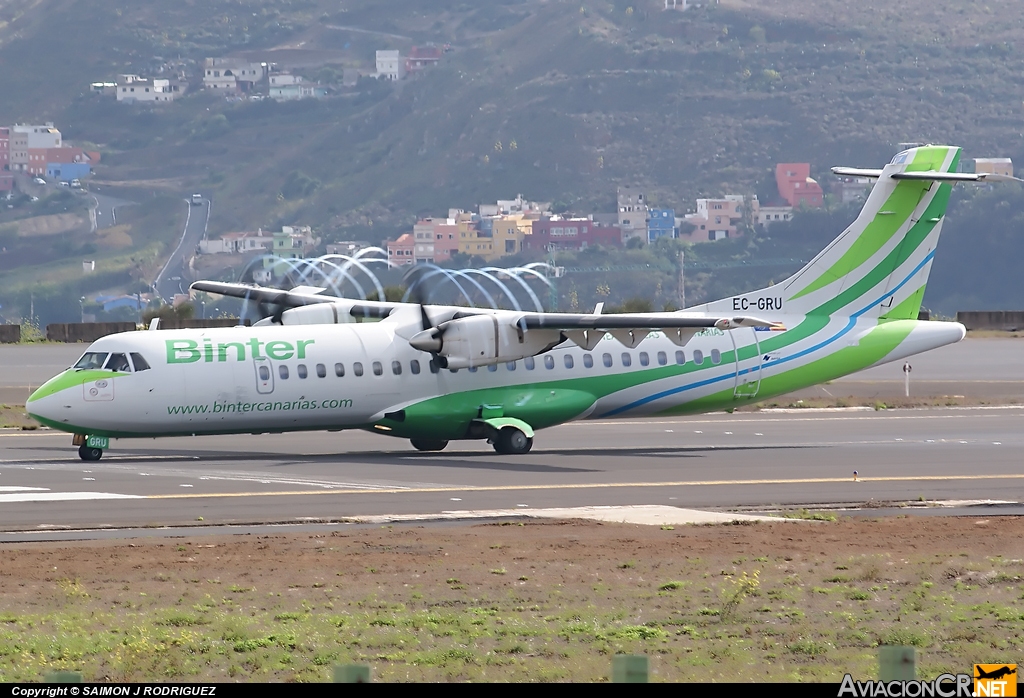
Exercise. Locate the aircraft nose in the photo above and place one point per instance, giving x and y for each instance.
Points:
(43, 404)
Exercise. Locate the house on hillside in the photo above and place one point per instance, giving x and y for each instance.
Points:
(661, 223)
(132, 88)
(796, 186)
(237, 243)
(390, 65)
(421, 57)
(715, 219)
(401, 251)
(555, 232)
(632, 210)
(1000, 166)
(233, 74)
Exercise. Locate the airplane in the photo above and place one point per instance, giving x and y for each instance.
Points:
(435, 374)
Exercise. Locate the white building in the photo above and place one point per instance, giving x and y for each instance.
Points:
(232, 74)
(390, 65)
(632, 210)
(237, 243)
(132, 88)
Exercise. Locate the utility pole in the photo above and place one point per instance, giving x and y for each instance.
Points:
(682, 282)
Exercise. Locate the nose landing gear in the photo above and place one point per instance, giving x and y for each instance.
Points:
(90, 453)
(90, 448)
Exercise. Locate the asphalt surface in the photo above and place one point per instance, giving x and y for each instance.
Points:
(756, 461)
(105, 208)
(744, 461)
(175, 276)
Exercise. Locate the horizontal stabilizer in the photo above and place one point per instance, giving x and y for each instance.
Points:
(929, 176)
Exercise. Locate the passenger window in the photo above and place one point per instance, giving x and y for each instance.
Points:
(282, 371)
(529, 363)
(118, 362)
(644, 359)
(588, 361)
(92, 360)
(264, 373)
(680, 357)
(378, 369)
(627, 360)
(396, 367)
(492, 367)
(434, 368)
(339, 370)
(302, 371)
(511, 365)
(662, 358)
(607, 359)
(321, 371)
(716, 356)
(698, 357)
(549, 362)
(357, 369)
(140, 363)
(414, 366)
(568, 361)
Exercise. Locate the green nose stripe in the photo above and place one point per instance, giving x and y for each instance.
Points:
(70, 379)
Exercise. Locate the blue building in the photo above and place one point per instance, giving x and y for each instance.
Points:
(67, 171)
(661, 223)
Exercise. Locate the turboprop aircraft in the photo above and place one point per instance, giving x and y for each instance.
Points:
(433, 373)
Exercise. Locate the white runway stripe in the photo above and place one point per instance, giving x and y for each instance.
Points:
(23, 489)
(46, 496)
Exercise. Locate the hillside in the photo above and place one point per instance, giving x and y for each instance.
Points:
(558, 101)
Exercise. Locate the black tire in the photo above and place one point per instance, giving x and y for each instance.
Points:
(428, 444)
(89, 453)
(512, 441)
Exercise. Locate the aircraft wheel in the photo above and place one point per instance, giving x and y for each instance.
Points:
(428, 444)
(89, 453)
(511, 440)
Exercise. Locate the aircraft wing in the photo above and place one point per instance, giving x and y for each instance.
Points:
(295, 298)
(585, 330)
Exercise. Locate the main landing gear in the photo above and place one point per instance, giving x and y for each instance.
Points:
(512, 441)
(89, 453)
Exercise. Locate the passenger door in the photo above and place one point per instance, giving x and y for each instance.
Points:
(748, 370)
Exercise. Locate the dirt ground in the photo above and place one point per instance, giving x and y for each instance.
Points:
(796, 601)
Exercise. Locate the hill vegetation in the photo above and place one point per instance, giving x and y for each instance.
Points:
(558, 101)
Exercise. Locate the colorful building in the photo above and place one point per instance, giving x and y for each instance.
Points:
(661, 223)
(555, 232)
(796, 186)
(401, 251)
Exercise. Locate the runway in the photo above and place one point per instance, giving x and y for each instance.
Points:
(753, 461)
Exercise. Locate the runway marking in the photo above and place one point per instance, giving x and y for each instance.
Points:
(597, 485)
(63, 496)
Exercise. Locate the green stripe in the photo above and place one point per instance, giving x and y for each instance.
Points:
(904, 199)
(70, 379)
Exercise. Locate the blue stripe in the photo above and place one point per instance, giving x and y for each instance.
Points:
(800, 354)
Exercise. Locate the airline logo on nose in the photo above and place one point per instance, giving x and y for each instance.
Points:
(189, 351)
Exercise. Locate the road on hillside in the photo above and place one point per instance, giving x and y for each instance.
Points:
(103, 212)
(175, 276)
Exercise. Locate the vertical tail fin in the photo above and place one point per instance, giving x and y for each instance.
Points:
(878, 267)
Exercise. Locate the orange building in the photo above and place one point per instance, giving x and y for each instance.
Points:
(796, 186)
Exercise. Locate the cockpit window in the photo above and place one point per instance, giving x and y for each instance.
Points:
(92, 360)
(140, 363)
(118, 362)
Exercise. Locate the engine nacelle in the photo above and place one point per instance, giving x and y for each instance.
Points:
(316, 314)
(480, 340)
